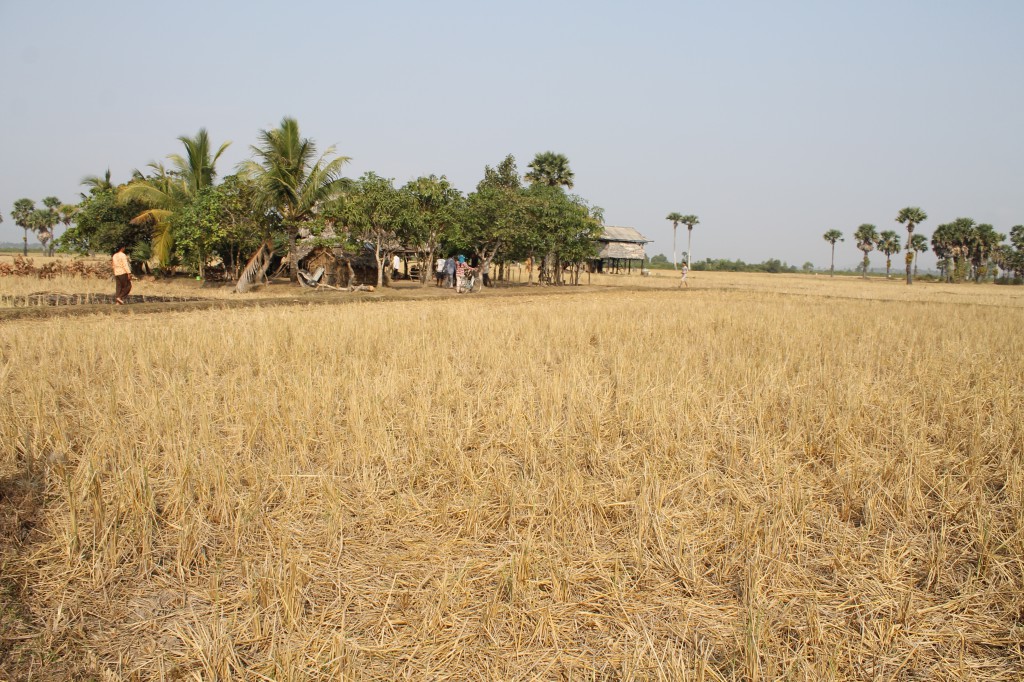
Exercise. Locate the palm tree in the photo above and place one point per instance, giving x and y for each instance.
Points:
(919, 243)
(889, 243)
(52, 206)
(983, 241)
(22, 213)
(689, 221)
(42, 221)
(910, 216)
(833, 236)
(866, 236)
(96, 184)
(676, 218)
(293, 180)
(166, 191)
(551, 169)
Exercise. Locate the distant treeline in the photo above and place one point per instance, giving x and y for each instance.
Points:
(661, 262)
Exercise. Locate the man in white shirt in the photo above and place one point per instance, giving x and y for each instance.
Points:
(439, 270)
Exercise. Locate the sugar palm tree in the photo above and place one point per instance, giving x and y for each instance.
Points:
(52, 205)
(676, 218)
(165, 191)
(41, 221)
(911, 216)
(551, 169)
(866, 236)
(689, 221)
(833, 236)
(293, 180)
(22, 214)
(919, 243)
(888, 243)
(983, 241)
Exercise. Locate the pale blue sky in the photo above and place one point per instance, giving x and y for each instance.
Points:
(772, 121)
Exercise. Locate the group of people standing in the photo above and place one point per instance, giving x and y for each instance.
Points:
(454, 271)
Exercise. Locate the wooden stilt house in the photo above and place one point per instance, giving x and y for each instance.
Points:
(620, 249)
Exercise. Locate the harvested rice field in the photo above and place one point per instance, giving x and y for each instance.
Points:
(757, 478)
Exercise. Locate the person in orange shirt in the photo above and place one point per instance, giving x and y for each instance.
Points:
(122, 275)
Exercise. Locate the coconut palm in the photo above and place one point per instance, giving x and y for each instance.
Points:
(676, 218)
(293, 180)
(866, 236)
(911, 216)
(96, 184)
(689, 221)
(889, 243)
(165, 191)
(833, 236)
(551, 169)
(22, 213)
(919, 244)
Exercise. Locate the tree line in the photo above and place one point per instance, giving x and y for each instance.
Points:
(965, 250)
(179, 213)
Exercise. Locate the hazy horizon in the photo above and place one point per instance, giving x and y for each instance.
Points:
(771, 122)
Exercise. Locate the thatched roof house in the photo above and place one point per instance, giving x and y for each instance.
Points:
(619, 248)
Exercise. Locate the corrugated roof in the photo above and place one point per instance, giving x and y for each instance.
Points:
(622, 234)
(630, 250)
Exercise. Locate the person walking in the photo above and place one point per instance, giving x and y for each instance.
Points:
(682, 279)
(122, 275)
(461, 272)
(449, 272)
(439, 271)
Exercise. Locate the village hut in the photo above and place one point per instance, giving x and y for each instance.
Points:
(620, 248)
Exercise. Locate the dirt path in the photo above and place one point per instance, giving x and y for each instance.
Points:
(402, 292)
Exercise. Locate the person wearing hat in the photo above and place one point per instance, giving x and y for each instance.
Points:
(461, 272)
(122, 275)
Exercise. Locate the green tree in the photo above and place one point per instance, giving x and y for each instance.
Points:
(437, 208)
(197, 228)
(833, 236)
(561, 226)
(22, 215)
(919, 244)
(245, 223)
(676, 218)
(689, 221)
(888, 243)
(495, 220)
(911, 216)
(1015, 259)
(867, 237)
(376, 213)
(294, 181)
(102, 223)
